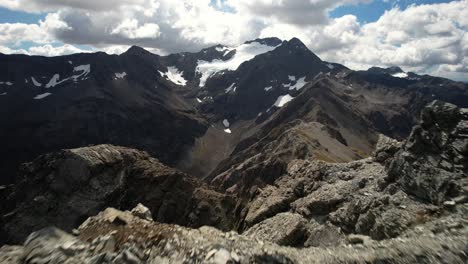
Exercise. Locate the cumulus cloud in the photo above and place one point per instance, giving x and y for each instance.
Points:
(45, 50)
(37, 6)
(421, 38)
(167, 25)
(15, 33)
(417, 38)
(425, 39)
(129, 28)
(298, 12)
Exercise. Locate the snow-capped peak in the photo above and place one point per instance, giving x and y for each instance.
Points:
(244, 52)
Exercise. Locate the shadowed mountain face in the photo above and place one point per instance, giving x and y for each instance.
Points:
(267, 101)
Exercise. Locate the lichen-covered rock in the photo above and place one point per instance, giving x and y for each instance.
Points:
(386, 148)
(433, 163)
(285, 229)
(142, 211)
(66, 187)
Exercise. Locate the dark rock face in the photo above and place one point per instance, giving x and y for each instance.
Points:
(144, 109)
(140, 110)
(64, 188)
(433, 162)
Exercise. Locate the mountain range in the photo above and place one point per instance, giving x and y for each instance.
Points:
(205, 112)
(242, 139)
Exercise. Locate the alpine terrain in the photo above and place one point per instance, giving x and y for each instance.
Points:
(260, 153)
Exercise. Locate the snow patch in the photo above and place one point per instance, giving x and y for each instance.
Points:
(53, 81)
(7, 83)
(330, 66)
(84, 69)
(282, 100)
(120, 75)
(400, 75)
(227, 130)
(226, 123)
(226, 50)
(244, 52)
(299, 84)
(5, 93)
(70, 62)
(292, 78)
(198, 100)
(231, 88)
(268, 88)
(35, 82)
(41, 96)
(174, 76)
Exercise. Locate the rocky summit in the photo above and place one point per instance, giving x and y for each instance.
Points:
(403, 204)
(260, 153)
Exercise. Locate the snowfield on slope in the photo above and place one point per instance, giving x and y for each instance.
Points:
(244, 52)
(282, 100)
(41, 96)
(299, 83)
(400, 75)
(174, 75)
(35, 82)
(120, 75)
(231, 88)
(55, 80)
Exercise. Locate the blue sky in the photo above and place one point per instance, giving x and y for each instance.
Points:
(372, 11)
(9, 16)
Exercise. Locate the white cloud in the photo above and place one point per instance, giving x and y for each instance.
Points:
(37, 6)
(49, 50)
(115, 49)
(16, 33)
(129, 28)
(45, 50)
(298, 12)
(426, 39)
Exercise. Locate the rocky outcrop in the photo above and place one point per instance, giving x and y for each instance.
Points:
(64, 188)
(285, 229)
(114, 236)
(385, 149)
(360, 211)
(379, 197)
(343, 196)
(433, 163)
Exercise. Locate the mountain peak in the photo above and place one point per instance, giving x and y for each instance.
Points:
(136, 50)
(266, 41)
(296, 46)
(296, 41)
(390, 70)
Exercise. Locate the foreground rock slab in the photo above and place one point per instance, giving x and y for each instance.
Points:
(115, 236)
